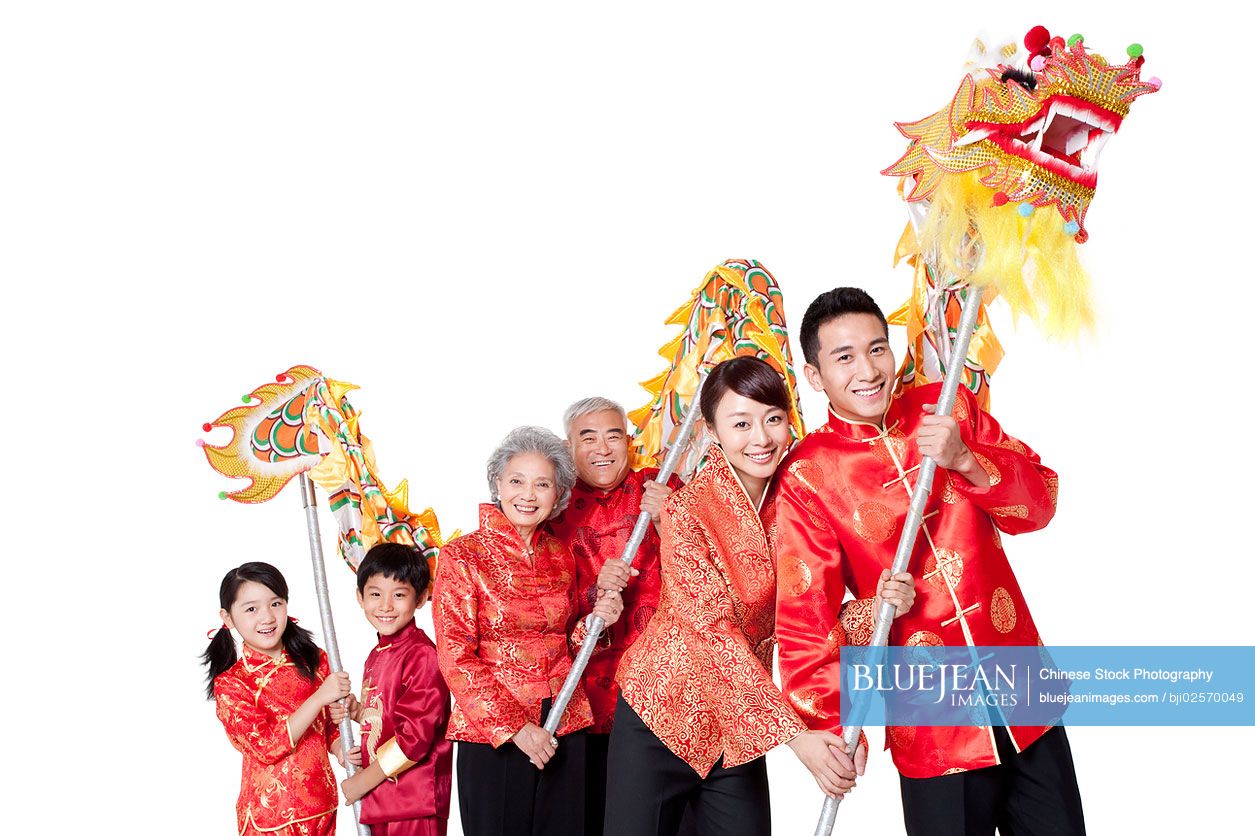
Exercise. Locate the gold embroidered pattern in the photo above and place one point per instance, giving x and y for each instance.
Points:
(874, 522)
(900, 737)
(795, 575)
(1052, 490)
(945, 562)
(1002, 611)
(1020, 512)
(991, 469)
(857, 618)
(924, 638)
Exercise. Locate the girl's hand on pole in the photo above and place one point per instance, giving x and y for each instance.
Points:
(536, 743)
(609, 606)
(334, 687)
(614, 575)
(347, 707)
(354, 758)
(823, 753)
(898, 590)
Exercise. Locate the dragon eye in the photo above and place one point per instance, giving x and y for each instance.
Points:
(1025, 78)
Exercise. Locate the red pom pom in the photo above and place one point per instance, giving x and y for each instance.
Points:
(207, 427)
(1036, 39)
(1000, 198)
(279, 378)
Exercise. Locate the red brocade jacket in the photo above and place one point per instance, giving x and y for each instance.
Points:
(405, 714)
(841, 505)
(287, 786)
(507, 624)
(595, 527)
(700, 674)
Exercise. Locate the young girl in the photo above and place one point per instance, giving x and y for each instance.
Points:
(272, 703)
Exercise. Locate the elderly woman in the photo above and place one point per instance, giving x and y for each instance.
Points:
(505, 613)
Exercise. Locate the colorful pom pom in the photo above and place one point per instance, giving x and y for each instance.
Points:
(280, 378)
(1071, 227)
(1076, 39)
(222, 494)
(245, 398)
(1025, 209)
(1036, 39)
(1000, 198)
(200, 442)
(1134, 50)
(1155, 82)
(1037, 64)
(207, 427)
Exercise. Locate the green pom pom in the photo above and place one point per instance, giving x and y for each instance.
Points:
(222, 494)
(1134, 50)
(1075, 39)
(245, 398)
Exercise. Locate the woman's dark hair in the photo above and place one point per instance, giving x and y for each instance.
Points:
(401, 563)
(297, 641)
(746, 376)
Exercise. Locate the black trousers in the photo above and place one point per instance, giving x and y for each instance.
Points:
(1030, 793)
(649, 788)
(500, 793)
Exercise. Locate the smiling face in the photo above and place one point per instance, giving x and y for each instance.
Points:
(754, 438)
(599, 444)
(855, 367)
(259, 616)
(528, 490)
(389, 604)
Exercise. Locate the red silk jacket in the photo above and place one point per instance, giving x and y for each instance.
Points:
(595, 527)
(405, 714)
(841, 505)
(506, 624)
(287, 786)
(700, 674)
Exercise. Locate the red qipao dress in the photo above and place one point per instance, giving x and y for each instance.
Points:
(287, 787)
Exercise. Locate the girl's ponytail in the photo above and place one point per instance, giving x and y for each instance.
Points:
(219, 657)
(300, 647)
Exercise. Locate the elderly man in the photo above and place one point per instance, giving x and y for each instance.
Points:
(607, 499)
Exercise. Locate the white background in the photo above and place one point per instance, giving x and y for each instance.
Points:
(479, 214)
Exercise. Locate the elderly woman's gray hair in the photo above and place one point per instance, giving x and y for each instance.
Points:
(534, 440)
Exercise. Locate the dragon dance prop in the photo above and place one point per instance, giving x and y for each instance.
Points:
(736, 311)
(303, 426)
(997, 184)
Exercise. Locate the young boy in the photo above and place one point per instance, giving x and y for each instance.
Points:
(841, 505)
(404, 710)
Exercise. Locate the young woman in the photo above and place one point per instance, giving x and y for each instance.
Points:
(272, 703)
(697, 708)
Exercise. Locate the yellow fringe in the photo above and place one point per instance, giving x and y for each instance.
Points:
(1031, 262)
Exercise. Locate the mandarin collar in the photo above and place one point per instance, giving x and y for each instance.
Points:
(602, 494)
(407, 634)
(722, 471)
(864, 430)
(255, 660)
(493, 519)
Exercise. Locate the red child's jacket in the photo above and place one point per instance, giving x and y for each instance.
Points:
(287, 786)
(405, 714)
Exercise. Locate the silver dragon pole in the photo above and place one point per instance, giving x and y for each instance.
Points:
(310, 501)
(910, 529)
(595, 623)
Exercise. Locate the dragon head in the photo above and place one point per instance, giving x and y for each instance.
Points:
(1031, 128)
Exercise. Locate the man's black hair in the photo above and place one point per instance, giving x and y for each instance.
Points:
(828, 306)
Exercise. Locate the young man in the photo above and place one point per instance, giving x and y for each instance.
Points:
(842, 503)
(606, 500)
(404, 711)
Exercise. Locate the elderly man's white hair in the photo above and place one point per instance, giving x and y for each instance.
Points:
(587, 406)
(534, 440)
